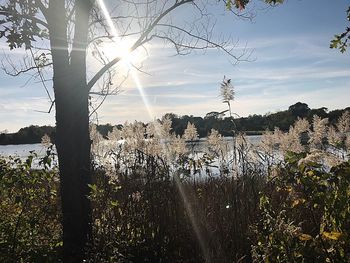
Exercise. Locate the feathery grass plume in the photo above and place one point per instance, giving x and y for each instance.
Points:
(152, 128)
(292, 139)
(285, 142)
(319, 132)
(343, 126)
(343, 123)
(289, 141)
(153, 147)
(301, 125)
(337, 135)
(190, 133)
(134, 135)
(217, 144)
(166, 127)
(178, 146)
(45, 140)
(98, 145)
(114, 138)
(315, 156)
(214, 139)
(269, 142)
(334, 137)
(227, 91)
(324, 158)
(114, 135)
(281, 140)
(347, 143)
(159, 129)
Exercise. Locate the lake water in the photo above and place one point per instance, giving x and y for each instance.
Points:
(22, 150)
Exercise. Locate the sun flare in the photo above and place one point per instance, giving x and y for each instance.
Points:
(121, 49)
(117, 46)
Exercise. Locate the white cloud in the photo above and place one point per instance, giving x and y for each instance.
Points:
(288, 68)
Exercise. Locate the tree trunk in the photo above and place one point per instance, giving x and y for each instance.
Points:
(72, 125)
(73, 148)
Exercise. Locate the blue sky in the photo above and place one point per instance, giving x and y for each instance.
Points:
(291, 62)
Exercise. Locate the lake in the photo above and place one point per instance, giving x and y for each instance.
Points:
(22, 150)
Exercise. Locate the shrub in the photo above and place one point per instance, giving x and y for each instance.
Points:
(306, 216)
(30, 229)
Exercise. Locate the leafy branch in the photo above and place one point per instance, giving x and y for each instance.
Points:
(341, 41)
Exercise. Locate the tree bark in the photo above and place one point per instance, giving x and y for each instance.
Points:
(72, 126)
(73, 148)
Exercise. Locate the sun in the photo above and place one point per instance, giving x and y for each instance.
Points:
(121, 49)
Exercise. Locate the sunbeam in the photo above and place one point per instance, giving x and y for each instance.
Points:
(127, 59)
(142, 93)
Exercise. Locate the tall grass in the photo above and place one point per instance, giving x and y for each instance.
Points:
(158, 198)
(153, 218)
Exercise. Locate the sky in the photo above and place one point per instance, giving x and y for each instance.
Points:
(290, 61)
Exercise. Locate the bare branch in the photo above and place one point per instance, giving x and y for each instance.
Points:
(138, 43)
(42, 7)
(106, 92)
(49, 111)
(115, 18)
(207, 43)
(41, 76)
(26, 66)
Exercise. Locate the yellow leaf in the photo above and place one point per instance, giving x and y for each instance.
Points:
(288, 189)
(310, 173)
(298, 201)
(305, 237)
(333, 235)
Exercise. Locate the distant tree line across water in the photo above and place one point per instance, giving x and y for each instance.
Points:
(252, 125)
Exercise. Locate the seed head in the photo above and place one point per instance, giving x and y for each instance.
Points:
(227, 91)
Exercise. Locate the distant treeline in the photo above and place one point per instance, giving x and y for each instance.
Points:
(27, 135)
(253, 124)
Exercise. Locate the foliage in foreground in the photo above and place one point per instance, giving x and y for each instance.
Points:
(144, 216)
(30, 229)
(306, 217)
(151, 204)
(169, 220)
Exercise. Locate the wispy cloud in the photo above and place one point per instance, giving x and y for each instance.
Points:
(292, 62)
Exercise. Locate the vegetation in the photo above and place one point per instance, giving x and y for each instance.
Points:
(252, 125)
(154, 201)
(149, 171)
(306, 216)
(60, 35)
(341, 41)
(27, 135)
(30, 229)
